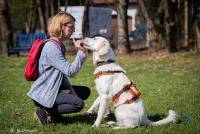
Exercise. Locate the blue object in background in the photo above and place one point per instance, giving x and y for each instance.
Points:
(24, 42)
(139, 33)
(100, 21)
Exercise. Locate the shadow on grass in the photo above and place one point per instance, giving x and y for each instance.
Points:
(157, 117)
(82, 118)
(89, 119)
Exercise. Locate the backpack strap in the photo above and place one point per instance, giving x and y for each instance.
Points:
(57, 43)
(53, 40)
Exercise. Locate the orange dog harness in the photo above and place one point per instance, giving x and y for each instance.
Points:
(131, 88)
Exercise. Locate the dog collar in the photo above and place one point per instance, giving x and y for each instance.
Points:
(100, 63)
(101, 73)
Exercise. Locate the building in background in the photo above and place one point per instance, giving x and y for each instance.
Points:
(77, 12)
(100, 21)
(102, 18)
(131, 13)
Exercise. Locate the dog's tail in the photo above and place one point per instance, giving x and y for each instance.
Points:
(171, 118)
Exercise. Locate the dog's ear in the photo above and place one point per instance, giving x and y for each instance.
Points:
(103, 49)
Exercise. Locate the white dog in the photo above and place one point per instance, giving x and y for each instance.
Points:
(114, 88)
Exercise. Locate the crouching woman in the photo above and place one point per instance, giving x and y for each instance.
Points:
(52, 92)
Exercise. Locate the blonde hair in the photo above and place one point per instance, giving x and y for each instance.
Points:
(56, 23)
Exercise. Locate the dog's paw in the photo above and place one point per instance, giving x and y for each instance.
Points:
(118, 127)
(88, 114)
(107, 114)
(111, 123)
(95, 125)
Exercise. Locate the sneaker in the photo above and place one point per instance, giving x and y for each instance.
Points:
(56, 118)
(42, 116)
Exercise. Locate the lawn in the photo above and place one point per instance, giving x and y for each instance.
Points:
(166, 82)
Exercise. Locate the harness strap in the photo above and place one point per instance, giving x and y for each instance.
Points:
(132, 90)
(135, 93)
(116, 96)
(99, 74)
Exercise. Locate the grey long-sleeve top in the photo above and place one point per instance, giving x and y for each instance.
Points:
(54, 71)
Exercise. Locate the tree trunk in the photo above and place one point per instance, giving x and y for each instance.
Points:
(186, 24)
(52, 8)
(85, 24)
(46, 4)
(197, 29)
(171, 12)
(59, 4)
(152, 36)
(4, 27)
(168, 12)
(122, 25)
(41, 17)
(30, 23)
(66, 4)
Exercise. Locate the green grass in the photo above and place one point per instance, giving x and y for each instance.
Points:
(170, 82)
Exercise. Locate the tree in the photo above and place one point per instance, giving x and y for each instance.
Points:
(46, 9)
(22, 15)
(171, 12)
(197, 33)
(30, 23)
(194, 21)
(85, 24)
(4, 26)
(41, 16)
(151, 35)
(122, 25)
(186, 23)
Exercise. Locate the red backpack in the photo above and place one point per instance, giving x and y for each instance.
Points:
(31, 72)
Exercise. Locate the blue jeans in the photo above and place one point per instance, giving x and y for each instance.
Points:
(68, 103)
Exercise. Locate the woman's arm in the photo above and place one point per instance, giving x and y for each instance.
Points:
(57, 59)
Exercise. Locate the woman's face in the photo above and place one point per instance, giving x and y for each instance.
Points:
(67, 30)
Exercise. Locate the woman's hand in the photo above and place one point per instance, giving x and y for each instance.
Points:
(79, 44)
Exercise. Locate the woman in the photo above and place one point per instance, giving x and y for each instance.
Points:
(52, 92)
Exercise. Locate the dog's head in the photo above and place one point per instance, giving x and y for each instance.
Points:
(100, 47)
